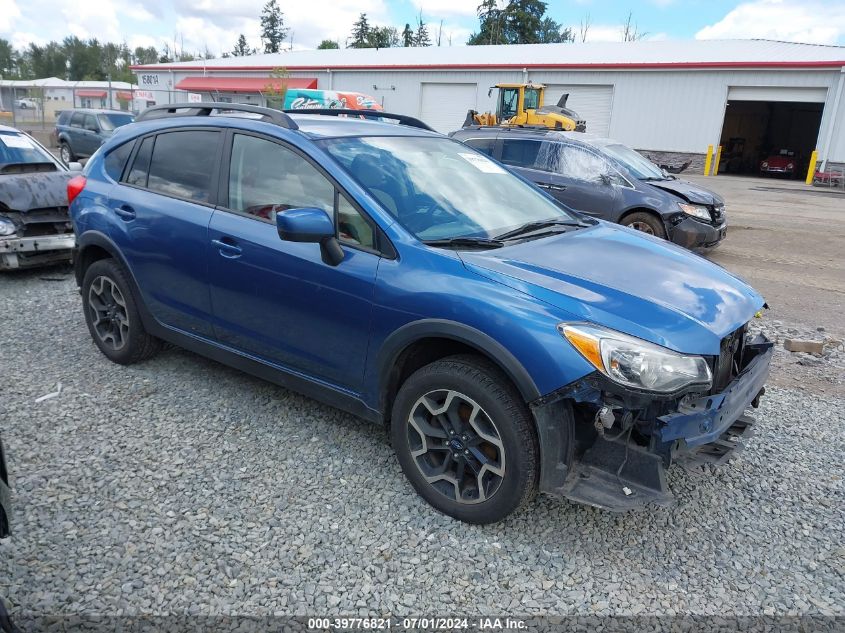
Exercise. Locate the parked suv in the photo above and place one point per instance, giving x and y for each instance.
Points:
(603, 178)
(410, 280)
(79, 133)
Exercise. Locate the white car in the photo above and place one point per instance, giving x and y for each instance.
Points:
(26, 104)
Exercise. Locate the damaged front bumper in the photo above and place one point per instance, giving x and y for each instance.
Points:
(624, 467)
(696, 235)
(23, 252)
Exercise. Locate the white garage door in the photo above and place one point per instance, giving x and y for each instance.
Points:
(592, 103)
(444, 106)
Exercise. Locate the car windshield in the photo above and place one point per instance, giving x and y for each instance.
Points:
(109, 122)
(440, 189)
(19, 149)
(639, 166)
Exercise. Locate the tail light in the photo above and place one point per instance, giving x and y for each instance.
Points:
(74, 187)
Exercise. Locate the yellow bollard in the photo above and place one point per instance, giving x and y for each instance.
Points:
(708, 160)
(811, 170)
(718, 158)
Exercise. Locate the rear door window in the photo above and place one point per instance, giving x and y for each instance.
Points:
(116, 160)
(141, 165)
(182, 164)
(521, 152)
(91, 123)
(77, 119)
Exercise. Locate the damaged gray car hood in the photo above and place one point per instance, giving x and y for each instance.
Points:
(36, 190)
(688, 191)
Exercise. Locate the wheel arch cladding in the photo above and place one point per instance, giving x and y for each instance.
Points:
(422, 342)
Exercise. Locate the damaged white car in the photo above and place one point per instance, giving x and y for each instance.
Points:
(34, 225)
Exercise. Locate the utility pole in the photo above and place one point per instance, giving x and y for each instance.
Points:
(110, 103)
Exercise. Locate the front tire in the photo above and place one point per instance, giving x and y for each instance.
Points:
(465, 439)
(645, 222)
(112, 315)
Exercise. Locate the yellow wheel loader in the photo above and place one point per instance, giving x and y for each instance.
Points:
(522, 105)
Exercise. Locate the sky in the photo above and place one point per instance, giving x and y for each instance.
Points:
(214, 25)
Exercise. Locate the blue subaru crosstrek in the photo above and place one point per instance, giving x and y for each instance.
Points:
(508, 343)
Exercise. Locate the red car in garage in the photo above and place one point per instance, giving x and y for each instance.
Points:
(781, 162)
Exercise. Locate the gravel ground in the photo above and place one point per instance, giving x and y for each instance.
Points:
(180, 486)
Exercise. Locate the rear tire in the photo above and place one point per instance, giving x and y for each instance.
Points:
(465, 439)
(645, 222)
(66, 153)
(112, 316)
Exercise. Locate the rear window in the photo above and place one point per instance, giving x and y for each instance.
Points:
(111, 121)
(183, 163)
(116, 160)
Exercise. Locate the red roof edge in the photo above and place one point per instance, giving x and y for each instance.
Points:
(579, 66)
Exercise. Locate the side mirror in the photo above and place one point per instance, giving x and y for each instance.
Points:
(74, 166)
(312, 225)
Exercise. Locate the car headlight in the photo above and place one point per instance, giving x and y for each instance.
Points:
(764, 165)
(695, 210)
(790, 166)
(7, 227)
(636, 363)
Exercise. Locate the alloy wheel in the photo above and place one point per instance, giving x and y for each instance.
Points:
(456, 446)
(108, 313)
(64, 152)
(642, 226)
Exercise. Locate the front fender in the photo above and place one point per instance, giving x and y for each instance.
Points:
(442, 328)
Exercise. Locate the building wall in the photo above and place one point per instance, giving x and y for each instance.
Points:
(657, 110)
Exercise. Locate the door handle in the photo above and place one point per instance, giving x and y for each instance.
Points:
(125, 212)
(228, 249)
(551, 187)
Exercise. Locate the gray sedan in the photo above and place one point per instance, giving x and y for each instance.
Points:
(606, 179)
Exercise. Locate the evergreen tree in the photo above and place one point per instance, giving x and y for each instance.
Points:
(421, 36)
(524, 20)
(242, 48)
(492, 25)
(273, 30)
(360, 33)
(407, 36)
(327, 44)
(552, 32)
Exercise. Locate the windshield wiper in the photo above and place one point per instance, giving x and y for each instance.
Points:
(530, 227)
(466, 242)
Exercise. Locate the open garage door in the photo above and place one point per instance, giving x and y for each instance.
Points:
(592, 103)
(444, 106)
(762, 122)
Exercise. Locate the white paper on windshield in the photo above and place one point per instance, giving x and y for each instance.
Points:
(482, 164)
(14, 140)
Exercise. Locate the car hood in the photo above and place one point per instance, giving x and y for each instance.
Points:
(688, 191)
(625, 280)
(38, 190)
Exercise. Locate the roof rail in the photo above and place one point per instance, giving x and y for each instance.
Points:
(206, 108)
(366, 114)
